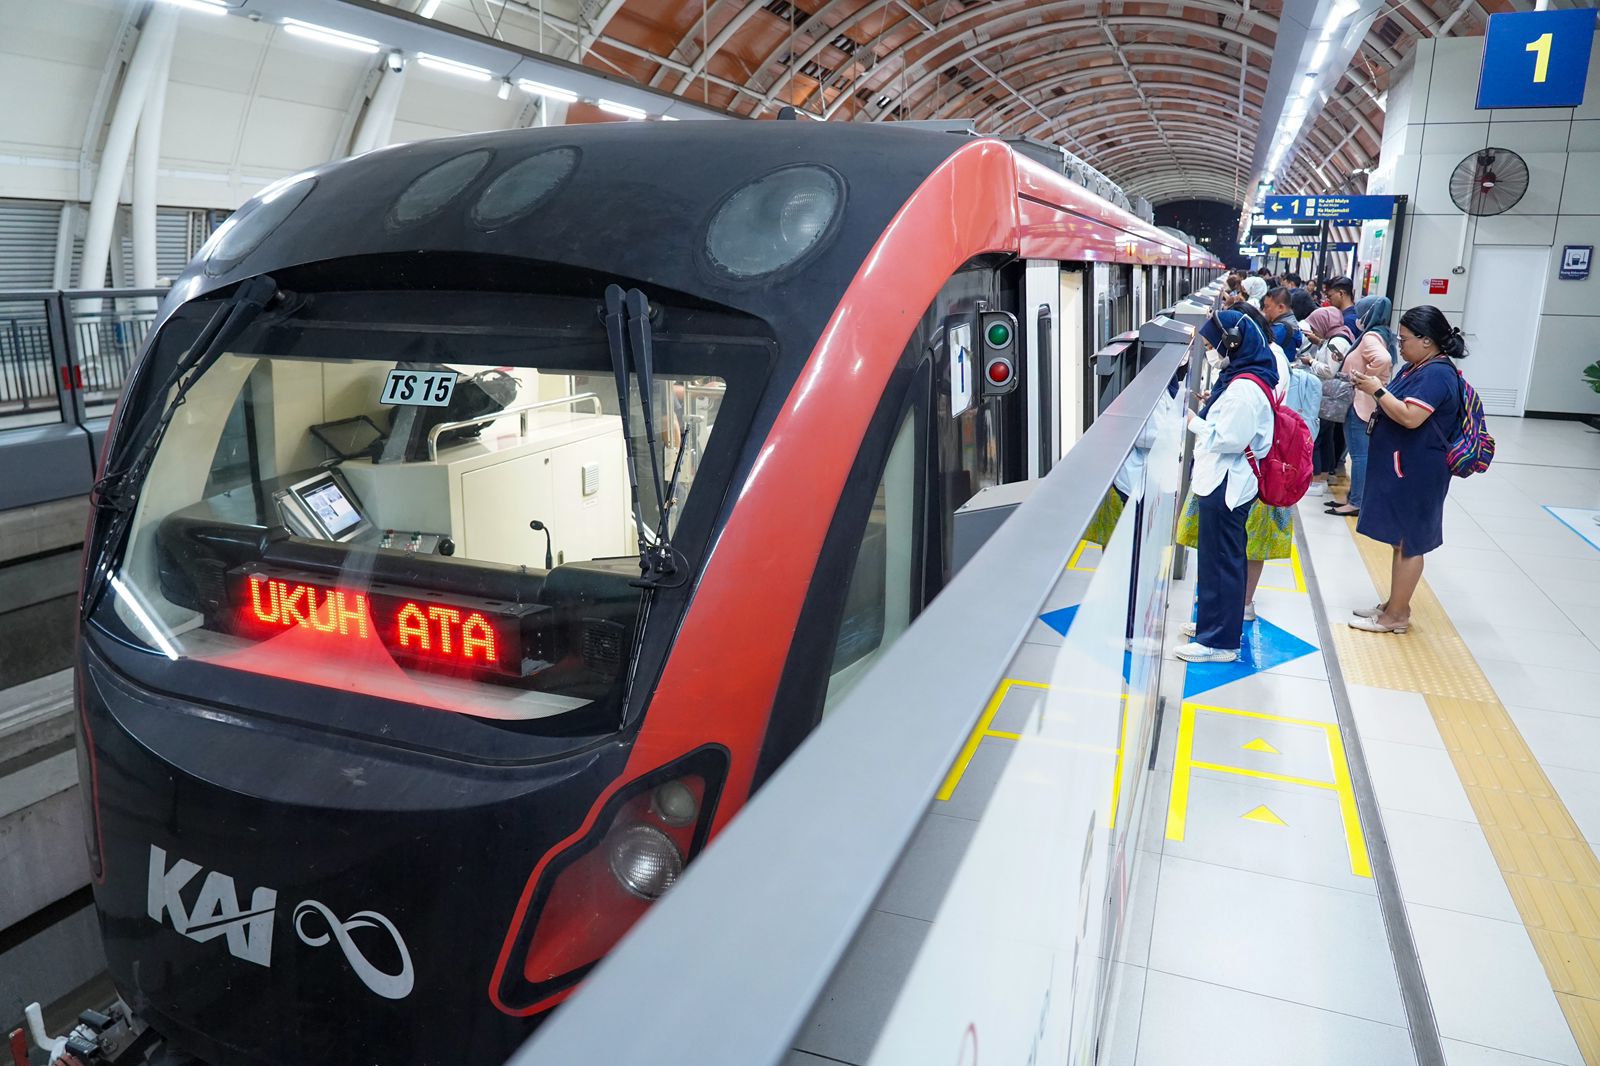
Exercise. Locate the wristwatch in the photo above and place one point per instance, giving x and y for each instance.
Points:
(1380, 393)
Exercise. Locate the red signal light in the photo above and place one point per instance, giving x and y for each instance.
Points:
(999, 372)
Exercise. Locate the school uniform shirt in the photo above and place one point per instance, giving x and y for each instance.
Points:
(1241, 418)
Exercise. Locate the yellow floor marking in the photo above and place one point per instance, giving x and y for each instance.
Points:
(970, 748)
(1292, 565)
(1553, 873)
(959, 768)
(1260, 744)
(1083, 546)
(1264, 815)
(1185, 763)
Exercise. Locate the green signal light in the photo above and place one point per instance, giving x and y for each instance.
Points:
(999, 334)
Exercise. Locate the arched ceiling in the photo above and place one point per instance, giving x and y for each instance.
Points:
(1165, 98)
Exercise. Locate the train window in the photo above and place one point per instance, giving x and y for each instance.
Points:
(448, 522)
(879, 601)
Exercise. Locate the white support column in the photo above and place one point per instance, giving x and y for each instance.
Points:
(66, 230)
(377, 125)
(146, 159)
(142, 71)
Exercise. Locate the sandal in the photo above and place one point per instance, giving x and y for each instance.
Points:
(1343, 514)
(1372, 625)
(1369, 612)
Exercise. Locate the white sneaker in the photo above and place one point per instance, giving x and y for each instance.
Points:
(1250, 611)
(1318, 488)
(1193, 652)
(1188, 629)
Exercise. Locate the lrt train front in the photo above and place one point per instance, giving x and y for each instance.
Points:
(402, 535)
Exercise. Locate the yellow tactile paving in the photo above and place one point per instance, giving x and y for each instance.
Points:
(1553, 873)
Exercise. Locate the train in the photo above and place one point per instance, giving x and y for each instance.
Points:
(486, 519)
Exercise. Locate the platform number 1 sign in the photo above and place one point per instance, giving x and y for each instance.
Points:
(1536, 59)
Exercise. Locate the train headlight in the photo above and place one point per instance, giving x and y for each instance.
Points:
(524, 186)
(436, 188)
(774, 221)
(645, 861)
(249, 226)
(674, 802)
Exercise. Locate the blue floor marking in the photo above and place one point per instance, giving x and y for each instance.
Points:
(1060, 620)
(1588, 538)
(1265, 646)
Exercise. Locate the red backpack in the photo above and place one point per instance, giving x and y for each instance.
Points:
(1285, 474)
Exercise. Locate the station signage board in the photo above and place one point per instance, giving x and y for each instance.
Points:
(1536, 58)
(1328, 208)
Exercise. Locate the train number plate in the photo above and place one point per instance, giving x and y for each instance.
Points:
(419, 388)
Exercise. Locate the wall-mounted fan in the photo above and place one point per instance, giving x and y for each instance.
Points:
(1487, 182)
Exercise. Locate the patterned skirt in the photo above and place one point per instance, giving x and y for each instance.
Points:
(1269, 531)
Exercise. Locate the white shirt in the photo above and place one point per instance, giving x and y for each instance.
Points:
(1240, 418)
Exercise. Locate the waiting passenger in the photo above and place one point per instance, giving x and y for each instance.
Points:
(1328, 344)
(1370, 357)
(1238, 416)
(1417, 418)
(1254, 290)
(1285, 327)
(1342, 294)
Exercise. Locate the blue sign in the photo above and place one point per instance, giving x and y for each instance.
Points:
(1536, 58)
(1575, 261)
(1327, 208)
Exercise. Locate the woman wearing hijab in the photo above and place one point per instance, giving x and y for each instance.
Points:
(1416, 418)
(1236, 418)
(1329, 341)
(1254, 289)
(1371, 357)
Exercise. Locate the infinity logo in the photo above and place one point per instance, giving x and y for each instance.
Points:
(387, 985)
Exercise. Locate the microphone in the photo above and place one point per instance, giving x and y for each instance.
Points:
(539, 527)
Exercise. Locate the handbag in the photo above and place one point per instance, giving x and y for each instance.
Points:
(1337, 393)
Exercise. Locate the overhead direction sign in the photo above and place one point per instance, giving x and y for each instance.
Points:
(1536, 58)
(1327, 208)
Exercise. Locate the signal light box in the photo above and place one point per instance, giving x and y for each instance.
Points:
(1536, 59)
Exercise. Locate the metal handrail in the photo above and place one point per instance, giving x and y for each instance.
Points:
(519, 409)
(763, 917)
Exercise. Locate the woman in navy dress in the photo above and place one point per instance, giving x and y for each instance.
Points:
(1417, 420)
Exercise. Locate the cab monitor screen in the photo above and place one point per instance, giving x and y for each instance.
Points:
(325, 501)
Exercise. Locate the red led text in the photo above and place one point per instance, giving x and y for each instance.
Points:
(433, 630)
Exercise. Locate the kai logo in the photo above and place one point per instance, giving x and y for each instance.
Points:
(216, 912)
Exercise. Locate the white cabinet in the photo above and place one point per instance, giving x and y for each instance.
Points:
(566, 470)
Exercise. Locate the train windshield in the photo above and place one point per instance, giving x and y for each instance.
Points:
(388, 497)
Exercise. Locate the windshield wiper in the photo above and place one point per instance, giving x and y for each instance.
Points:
(630, 337)
(118, 489)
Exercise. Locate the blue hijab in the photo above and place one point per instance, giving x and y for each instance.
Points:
(1372, 316)
(1253, 357)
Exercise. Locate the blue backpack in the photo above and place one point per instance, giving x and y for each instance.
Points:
(1305, 398)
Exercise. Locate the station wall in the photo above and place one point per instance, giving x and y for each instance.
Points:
(1429, 127)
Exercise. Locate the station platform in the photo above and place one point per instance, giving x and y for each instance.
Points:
(1352, 847)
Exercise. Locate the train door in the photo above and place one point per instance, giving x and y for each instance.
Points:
(1042, 363)
(1141, 296)
(1073, 369)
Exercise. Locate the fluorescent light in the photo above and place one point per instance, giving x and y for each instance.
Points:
(429, 9)
(1320, 56)
(551, 92)
(210, 7)
(611, 107)
(451, 66)
(337, 38)
(504, 91)
(669, 118)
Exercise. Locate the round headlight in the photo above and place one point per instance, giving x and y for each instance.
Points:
(774, 221)
(645, 861)
(674, 803)
(248, 227)
(524, 186)
(432, 191)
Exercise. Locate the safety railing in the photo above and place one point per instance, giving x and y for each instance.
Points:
(64, 356)
(821, 896)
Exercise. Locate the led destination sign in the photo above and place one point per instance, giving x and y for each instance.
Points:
(454, 632)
